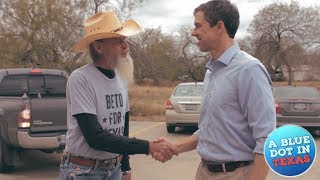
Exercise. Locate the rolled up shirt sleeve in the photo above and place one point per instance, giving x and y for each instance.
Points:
(257, 103)
(197, 132)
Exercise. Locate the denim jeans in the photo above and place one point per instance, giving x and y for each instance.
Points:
(70, 171)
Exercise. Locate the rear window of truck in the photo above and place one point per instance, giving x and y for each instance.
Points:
(34, 85)
(14, 85)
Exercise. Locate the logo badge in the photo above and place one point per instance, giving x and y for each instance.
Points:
(290, 150)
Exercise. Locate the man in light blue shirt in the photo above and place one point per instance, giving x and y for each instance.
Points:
(238, 110)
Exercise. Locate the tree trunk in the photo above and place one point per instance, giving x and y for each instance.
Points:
(290, 78)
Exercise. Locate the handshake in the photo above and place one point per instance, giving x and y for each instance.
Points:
(162, 150)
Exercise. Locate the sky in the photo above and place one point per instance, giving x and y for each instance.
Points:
(170, 15)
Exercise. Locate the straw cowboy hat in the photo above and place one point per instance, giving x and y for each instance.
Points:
(105, 25)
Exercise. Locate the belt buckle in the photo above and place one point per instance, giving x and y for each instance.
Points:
(109, 164)
(229, 167)
(216, 167)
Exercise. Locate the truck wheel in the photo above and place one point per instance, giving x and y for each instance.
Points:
(171, 129)
(5, 156)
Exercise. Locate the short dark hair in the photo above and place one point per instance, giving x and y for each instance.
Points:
(221, 10)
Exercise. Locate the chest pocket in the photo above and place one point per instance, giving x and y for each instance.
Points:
(223, 93)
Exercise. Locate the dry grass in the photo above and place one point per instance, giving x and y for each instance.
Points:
(148, 100)
(147, 103)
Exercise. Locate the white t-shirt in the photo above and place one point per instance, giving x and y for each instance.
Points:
(90, 91)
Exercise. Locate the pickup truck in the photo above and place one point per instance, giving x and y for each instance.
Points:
(33, 113)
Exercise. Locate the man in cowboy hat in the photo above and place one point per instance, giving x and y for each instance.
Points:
(98, 109)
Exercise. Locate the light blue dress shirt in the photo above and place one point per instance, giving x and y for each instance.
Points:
(238, 110)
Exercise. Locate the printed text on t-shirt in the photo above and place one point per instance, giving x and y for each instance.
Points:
(114, 101)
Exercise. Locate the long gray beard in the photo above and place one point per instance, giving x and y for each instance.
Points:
(125, 69)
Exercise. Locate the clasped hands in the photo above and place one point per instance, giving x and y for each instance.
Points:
(162, 150)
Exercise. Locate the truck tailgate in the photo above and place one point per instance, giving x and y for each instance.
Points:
(48, 114)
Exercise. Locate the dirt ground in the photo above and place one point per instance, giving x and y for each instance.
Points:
(150, 118)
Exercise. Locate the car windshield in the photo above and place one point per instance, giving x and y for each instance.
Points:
(188, 90)
(290, 92)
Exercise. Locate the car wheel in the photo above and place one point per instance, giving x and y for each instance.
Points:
(171, 129)
(5, 154)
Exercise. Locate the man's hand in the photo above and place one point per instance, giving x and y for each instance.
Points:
(162, 157)
(162, 150)
(260, 168)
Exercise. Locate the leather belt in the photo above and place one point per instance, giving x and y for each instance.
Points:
(108, 164)
(224, 167)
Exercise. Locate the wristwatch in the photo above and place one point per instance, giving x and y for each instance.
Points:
(126, 172)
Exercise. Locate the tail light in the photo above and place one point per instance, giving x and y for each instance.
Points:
(168, 105)
(24, 116)
(35, 71)
(277, 107)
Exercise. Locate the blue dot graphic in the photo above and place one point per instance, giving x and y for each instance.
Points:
(290, 150)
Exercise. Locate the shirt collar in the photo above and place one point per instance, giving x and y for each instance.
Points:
(228, 54)
(225, 58)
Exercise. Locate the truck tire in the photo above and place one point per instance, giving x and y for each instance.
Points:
(171, 129)
(6, 155)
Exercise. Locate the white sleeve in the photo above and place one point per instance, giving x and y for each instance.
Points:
(81, 95)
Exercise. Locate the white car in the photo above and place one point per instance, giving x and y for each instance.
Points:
(183, 107)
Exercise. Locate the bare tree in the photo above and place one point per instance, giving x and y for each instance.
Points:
(193, 60)
(157, 57)
(42, 33)
(38, 33)
(121, 7)
(278, 28)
